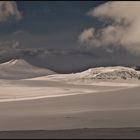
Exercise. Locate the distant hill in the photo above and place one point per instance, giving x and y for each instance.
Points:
(117, 72)
(20, 69)
(100, 73)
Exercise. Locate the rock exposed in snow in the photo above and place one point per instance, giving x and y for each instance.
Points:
(136, 68)
(20, 69)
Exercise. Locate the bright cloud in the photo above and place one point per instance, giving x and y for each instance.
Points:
(123, 27)
(9, 10)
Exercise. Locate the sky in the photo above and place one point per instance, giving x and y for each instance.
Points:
(70, 36)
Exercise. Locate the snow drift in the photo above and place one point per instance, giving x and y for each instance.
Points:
(20, 69)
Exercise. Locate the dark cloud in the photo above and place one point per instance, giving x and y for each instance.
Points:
(53, 43)
(66, 61)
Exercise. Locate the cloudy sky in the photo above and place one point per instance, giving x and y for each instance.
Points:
(71, 36)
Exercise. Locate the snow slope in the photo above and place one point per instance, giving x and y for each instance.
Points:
(20, 69)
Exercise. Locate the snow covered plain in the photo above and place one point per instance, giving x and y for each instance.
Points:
(71, 101)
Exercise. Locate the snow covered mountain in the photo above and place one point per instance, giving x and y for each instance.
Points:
(20, 69)
(113, 73)
(100, 73)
